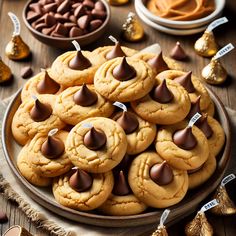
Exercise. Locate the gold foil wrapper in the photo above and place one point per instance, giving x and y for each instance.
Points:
(5, 72)
(118, 2)
(160, 231)
(132, 29)
(199, 226)
(214, 73)
(17, 230)
(16, 49)
(206, 46)
(226, 205)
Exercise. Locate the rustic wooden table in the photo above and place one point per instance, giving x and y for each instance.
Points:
(44, 55)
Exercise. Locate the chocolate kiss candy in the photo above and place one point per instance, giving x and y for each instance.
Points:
(178, 53)
(47, 85)
(94, 139)
(162, 94)
(53, 147)
(195, 107)
(158, 63)
(205, 127)
(124, 71)
(40, 111)
(161, 174)
(185, 139)
(115, 52)
(128, 122)
(79, 62)
(124, 164)
(85, 97)
(121, 187)
(80, 181)
(160, 231)
(5, 72)
(199, 226)
(186, 82)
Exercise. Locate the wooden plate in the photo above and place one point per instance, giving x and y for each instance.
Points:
(44, 196)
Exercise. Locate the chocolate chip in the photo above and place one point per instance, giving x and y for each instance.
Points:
(99, 6)
(44, 2)
(73, 19)
(88, 3)
(48, 31)
(50, 20)
(26, 72)
(50, 7)
(94, 24)
(83, 21)
(79, 11)
(98, 14)
(75, 31)
(3, 217)
(75, 5)
(32, 16)
(61, 30)
(69, 24)
(64, 7)
(40, 26)
(36, 7)
(60, 18)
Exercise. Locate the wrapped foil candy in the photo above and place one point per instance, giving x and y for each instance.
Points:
(161, 229)
(132, 29)
(226, 205)
(16, 49)
(5, 72)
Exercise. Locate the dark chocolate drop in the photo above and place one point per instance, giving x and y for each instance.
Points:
(40, 111)
(115, 52)
(85, 97)
(124, 71)
(123, 165)
(185, 139)
(195, 107)
(158, 63)
(80, 181)
(79, 62)
(128, 122)
(178, 52)
(203, 125)
(186, 81)
(94, 139)
(162, 94)
(121, 186)
(47, 85)
(53, 147)
(161, 174)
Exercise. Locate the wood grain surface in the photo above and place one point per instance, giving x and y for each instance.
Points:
(43, 56)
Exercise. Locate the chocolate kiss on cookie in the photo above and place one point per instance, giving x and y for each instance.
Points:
(161, 173)
(203, 125)
(178, 52)
(186, 81)
(124, 71)
(115, 52)
(121, 186)
(40, 111)
(47, 85)
(53, 147)
(195, 107)
(185, 139)
(128, 122)
(79, 62)
(162, 94)
(158, 63)
(85, 97)
(94, 139)
(80, 181)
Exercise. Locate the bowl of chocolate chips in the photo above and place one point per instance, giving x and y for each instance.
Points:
(58, 22)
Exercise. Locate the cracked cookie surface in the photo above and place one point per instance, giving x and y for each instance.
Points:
(147, 190)
(101, 160)
(176, 156)
(24, 128)
(124, 91)
(44, 166)
(71, 113)
(87, 200)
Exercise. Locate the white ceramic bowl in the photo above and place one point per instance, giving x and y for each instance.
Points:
(165, 29)
(181, 24)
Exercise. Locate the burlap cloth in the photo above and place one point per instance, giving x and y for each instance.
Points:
(58, 225)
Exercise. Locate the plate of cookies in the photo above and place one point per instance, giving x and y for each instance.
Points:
(114, 136)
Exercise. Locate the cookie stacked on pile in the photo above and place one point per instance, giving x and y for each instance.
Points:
(118, 161)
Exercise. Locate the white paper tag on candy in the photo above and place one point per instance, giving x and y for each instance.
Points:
(209, 205)
(224, 51)
(227, 179)
(194, 119)
(15, 22)
(216, 23)
(87, 125)
(52, 132)
(113, 39)
(164, 217)
(120, 105)
(76, 45)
